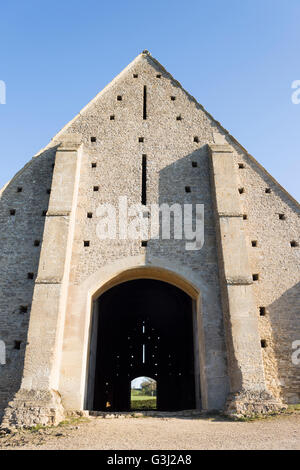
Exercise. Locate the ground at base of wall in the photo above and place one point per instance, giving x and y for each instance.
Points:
(182, 433)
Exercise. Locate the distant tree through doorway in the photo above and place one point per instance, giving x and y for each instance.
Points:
(143, 394)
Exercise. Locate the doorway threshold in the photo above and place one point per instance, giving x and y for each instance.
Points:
(145, 413)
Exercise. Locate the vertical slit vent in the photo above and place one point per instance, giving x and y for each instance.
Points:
(145, 103)
(144, 353)
(144, 180)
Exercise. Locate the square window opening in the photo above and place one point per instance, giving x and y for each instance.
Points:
(262, 311)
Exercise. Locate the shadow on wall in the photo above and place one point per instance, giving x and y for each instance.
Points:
(187, 181)
(23, 206)
(285, 324)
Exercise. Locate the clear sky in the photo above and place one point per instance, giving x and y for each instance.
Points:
(237, 57)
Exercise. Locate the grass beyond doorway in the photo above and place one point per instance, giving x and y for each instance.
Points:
(143, 402)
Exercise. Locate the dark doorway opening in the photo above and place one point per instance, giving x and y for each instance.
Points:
(142, 328)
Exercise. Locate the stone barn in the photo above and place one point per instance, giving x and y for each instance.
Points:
(214, 319)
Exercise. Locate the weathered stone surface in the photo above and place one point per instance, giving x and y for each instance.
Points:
(68, 276)
(251, 404)
(30, 408)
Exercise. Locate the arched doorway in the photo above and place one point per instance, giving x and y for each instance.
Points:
(142, 327)
(143, 394)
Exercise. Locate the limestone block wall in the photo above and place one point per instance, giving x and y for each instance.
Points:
(172, 132)
(21, 237)
(174, 138)
(272, 224)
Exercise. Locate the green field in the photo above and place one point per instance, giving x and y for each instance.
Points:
(143, 402)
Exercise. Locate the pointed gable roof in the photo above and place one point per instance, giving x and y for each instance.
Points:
(146, 56)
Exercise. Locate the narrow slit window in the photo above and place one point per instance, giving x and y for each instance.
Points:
(112, 117)
(268, 190)
(255, 277)
(141, 139)
(44, 213)
(86, 243)
(158, 75)
(135, 75)
(173, 98)
(263, 343)
(144, 180)
(241, 166)
(89, 215)
(245, 217)
(194, 164)
(36, 243)
(281, 216)
(196, 139)
(254, 243)
(241, 190)
(19, 189)
(119, 98)
(145, 103)
(30, 275)
(93, 139)
(179, 118)
(294, 244)
(17, 345)
(96, 188)
(187, 189)
(23, 309)
(144, 243)
(94, 165)
(12, 211)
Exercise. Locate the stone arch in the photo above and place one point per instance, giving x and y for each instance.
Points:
(150, 272)
(74, 377)
(141, 298)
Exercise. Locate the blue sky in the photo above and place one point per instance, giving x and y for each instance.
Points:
(237, 57)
